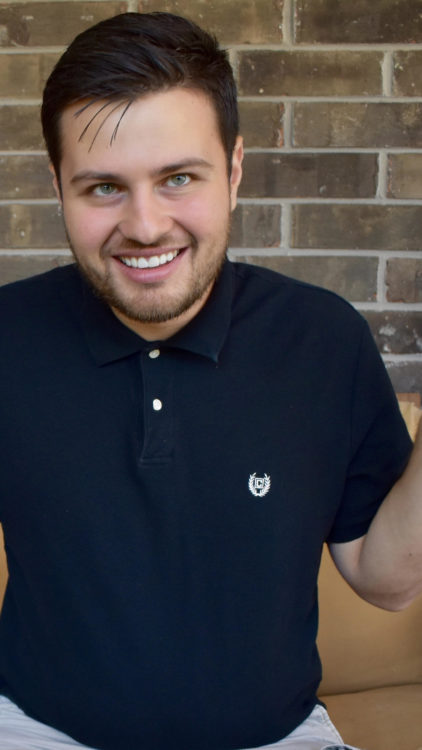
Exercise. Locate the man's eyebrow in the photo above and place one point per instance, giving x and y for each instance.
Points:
(181, 166)
(91, 176)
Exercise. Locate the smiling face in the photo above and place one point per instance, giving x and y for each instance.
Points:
(147, 207)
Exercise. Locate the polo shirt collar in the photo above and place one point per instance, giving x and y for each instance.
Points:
(110, 340)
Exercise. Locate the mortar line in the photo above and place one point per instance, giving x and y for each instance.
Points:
(387, 74)
(322, 253)
(400, 307)
(29, 202)
(286, 227)
(288, 23)
(382, 186)
(23, 152)
(385, 203)
(33, 50)
(369, 47)
(331, 99)
(234, 62)
(381, 284)
(33, 252)
(287, 126)
(402, 358)
(334, 150)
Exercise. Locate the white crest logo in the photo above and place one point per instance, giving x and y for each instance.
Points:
(259, 486)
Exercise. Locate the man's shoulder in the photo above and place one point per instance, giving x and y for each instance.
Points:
(39, 288)
(281, 291)
(38, 308)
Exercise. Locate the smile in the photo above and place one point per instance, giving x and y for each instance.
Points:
(153, 262)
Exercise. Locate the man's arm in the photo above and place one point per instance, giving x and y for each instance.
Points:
(385, 566)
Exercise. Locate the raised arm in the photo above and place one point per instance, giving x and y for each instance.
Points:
(385, 566)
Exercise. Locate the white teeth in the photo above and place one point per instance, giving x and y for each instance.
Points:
(153, 262)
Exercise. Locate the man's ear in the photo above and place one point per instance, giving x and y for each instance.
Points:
(56, 183)
(236, 171)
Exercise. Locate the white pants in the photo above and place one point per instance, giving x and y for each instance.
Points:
(19, 732)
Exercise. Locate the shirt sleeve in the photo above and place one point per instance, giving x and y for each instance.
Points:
(380, 445)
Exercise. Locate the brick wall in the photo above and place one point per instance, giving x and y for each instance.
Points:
(331, 109)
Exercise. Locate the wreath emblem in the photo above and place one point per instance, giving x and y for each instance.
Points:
(259, 486)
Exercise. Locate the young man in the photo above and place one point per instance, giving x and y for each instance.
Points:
(180, 434)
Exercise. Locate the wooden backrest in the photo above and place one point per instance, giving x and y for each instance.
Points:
(362, 646)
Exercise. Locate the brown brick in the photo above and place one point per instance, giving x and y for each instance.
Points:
(357, 227)
(404, 280)
(261, 123)
(256, 226)
(15, 267)
(405, 176)
(309, 175)
(251, 22)
(352, 278)
(406, 377)
(396, 332)
(25, 177)
(31, 226)
(360, 21)
(20, 128)
(25, 75)
(342, 125)
(50, 23)
(408, 73)
(306, 73)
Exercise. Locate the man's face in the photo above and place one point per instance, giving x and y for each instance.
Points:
(147, 207)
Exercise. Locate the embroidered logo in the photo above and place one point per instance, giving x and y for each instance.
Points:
(259, 486)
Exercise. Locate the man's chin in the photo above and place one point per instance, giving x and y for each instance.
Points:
(152, 315)
(137, 311)
(161, 307)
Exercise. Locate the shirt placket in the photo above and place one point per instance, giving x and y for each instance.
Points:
(157, 378)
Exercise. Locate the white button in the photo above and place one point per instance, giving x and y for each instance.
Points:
(154, 353)
(157, 405)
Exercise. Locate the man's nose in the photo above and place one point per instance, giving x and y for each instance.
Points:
(146, 218)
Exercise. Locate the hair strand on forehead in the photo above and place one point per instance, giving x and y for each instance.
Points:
(114, 133)
(126, 106)
(103, 122)
(83, 109)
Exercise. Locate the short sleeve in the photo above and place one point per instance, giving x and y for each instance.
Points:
(380, 444)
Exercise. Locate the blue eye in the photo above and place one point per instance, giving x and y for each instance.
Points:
(106, 188)
(178, 180)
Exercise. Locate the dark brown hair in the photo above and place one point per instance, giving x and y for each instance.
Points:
(131, 54)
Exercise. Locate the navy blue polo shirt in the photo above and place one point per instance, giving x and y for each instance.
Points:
(165, 504)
